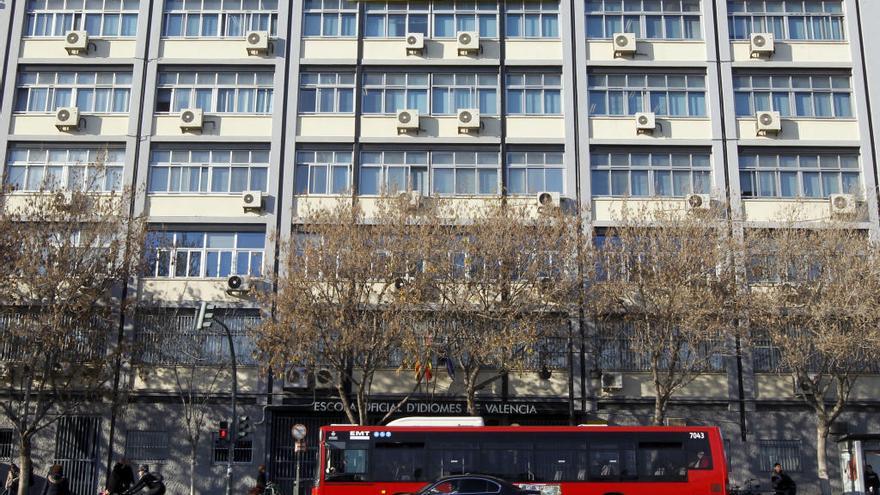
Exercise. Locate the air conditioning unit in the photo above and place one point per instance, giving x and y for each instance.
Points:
(67, 118)
(324, 378)
(76, 42)
(768, 123)
(843, 204)
(761, 45)
(238, 283)
(799, 389)
(257, 42)
(296, 377)
(468, 120)
(698, 202)
(415, 43)
(548, 199)
(191, 119)
(413, 200)
(468, 42)
(407, 121)
(611, 381)
(646, 122)
(624, 44)
(252, 200)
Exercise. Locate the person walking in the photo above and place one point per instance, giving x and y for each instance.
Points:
(262, 479)
(12, 477)
(872, 481)
(781, 482)
(56, 483)
(121, 477)
(152, 482)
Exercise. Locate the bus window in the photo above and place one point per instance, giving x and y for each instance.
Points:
(699, 456)
(612, 461)
(345, 463)
(508, 460)
(399, 461)
(447, 458)
(662, 461)
(560, 461)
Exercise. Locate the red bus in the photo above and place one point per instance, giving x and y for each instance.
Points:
(580, 460)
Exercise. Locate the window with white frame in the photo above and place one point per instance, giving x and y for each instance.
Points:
(388, 93)
(75, 169)
(394, 19)
(240, 92)
(659, 173)
(530, 172)
(326, 92)
(798, 174)
(793, 20)
(451, 173)
(323, 172)
(330, 18)
(218, 18)
(146, 446)
(208, 170)
(90, 91)
(443, 19)
(204, 254)
(665, 94)
(534, 93)
(451, 17)
(651, 19)
(532, 19)
(100, 18)
(821, 96)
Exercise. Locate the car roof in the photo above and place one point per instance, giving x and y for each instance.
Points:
(473, 475)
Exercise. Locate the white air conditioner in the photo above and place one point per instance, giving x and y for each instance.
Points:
(548, 199)
(252, 200)
(407, 120)
(843, 204)
(698, 202)
(646, 122)
(624, 44)
(468, 120)
(768, 123)
(324, 378)
(761, 45)
(296, 377)
(611, 381)
(468, 42)
(191, 119)
(76, 42)
(415, 43)
(238, 283)
(257, 42)
(67, 118)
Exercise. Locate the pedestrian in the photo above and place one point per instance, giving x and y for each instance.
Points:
(781, 482)
(261, 479)
(121, 477)
(56, 483)
(12, 478)
(872, 481)
(152, 482)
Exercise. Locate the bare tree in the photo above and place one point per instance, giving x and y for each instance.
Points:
(814, 298)
(68, 254)
(665, 280)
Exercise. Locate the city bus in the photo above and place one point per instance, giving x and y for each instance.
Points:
(578, 460)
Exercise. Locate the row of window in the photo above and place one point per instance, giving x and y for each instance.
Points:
(189, 254)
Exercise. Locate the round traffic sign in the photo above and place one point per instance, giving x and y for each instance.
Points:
(298, 431)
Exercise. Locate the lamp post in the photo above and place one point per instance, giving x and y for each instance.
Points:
(205, 319)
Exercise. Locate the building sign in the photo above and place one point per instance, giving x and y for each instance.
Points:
(450, 408)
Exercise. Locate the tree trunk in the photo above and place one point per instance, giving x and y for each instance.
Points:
(470, 386)
(659, 410)
(822, 456)
(25, 463)
(192, 471)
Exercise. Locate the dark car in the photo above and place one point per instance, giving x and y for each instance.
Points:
(472, 484)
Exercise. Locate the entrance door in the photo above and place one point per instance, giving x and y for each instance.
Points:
(76, 449)
(283, 459)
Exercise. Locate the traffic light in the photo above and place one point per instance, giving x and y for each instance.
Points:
(243, 428)
(223, 432)
(205, 317)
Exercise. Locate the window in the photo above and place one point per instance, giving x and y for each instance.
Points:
(205, 254)
(330, 18)
(787, 19)
(651, 19)
(242, 453)
(821, 96)
(326, 92)
(390, 92)
(665, 94)
(532, 19)
(90, 91)
(619, 173)
(100, 18)
(530, 172)
(218, 18)
(465, 15)
(167, 337)
(208, 170)
(533, 93)
(437, 20)
(35, 169)
(146, 446)
(453, 92)
(245, 92)
(785, 452)
(5, 444)
(323, 172)
(452, 173)
(798, 174)
(395, 19)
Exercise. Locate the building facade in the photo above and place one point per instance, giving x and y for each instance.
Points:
(194, 103)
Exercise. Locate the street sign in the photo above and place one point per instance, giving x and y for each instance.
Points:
(298, 431)
(299, 446)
